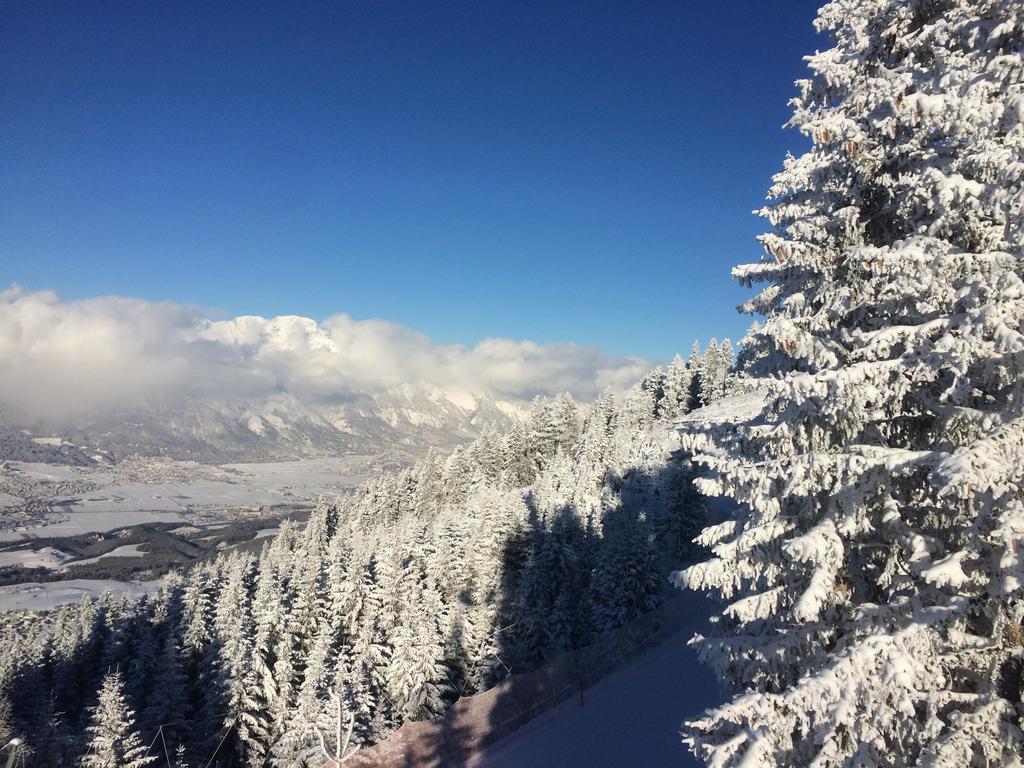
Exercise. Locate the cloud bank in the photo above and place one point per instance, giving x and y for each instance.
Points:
(60, 360)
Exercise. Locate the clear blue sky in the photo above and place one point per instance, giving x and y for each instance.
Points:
(554, 171)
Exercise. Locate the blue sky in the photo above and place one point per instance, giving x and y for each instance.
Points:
(551, 171)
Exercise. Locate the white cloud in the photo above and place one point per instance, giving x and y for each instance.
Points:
(60, 360)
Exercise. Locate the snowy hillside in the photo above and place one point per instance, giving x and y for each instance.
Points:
(627, 713)
(422, 587)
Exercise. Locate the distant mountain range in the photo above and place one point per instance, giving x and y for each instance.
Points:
(405, 420)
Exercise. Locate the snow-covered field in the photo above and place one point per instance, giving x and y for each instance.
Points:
(75, 523)
(158, 490)
(39, 597)
(128, 550)
(47, 557)
(47, 472)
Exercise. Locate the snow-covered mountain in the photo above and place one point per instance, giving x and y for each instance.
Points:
(406, 419)
(138, 377)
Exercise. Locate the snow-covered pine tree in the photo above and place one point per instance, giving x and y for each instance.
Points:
(428, 486)
(297, 741)
(520, 470)
(234, 623)
(489, 454)
(726, 362)
(714, 371)
(198, 609)
(637, 412)
(706, 375)
(625, 580)
(676, 400)
(417, 679)
(874, 564)
(167, 705)
(257, 694)
(654, 385)
(693, 364)
(113, 740)
(370, 652)
(596, 432)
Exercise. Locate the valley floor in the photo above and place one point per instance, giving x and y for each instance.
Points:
(46, 500)
(66, 530)
(42, 597)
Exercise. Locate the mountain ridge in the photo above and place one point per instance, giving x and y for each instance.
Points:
(408, 419)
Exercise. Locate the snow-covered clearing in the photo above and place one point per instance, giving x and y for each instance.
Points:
(48, 472)
(41, 597)
(48, 440)
(731, 409)
(128, 550)
(47, 557)
(77, 523)
(163, 491)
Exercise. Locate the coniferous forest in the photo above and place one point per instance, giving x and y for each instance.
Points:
(424, 585)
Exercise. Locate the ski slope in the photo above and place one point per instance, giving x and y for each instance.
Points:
(629, 718)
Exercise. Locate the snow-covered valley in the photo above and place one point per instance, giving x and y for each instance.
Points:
(61, 521)
(45, 500)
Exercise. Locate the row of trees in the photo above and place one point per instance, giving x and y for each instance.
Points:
(425, 584)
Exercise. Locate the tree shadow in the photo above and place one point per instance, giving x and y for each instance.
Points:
(576, 601)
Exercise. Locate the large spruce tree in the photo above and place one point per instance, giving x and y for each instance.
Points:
(873, 571)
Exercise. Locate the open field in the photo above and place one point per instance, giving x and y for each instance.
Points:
(45, 500)
(132, 522)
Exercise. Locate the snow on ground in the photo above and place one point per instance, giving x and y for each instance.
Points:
(309, 474)
(77, 523)
(40, 597)
(160, 490)
(57, 441)
(47, 557)
(51, 472)
(264, 532)
(737, 408)
(629, 718)
(128, 550)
